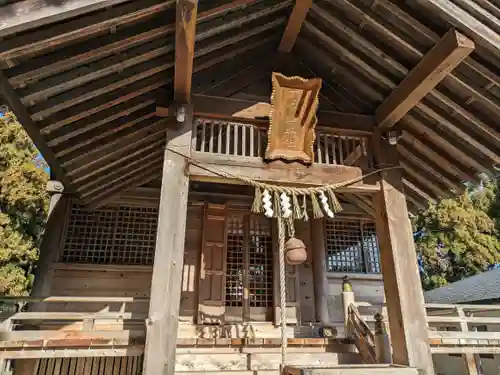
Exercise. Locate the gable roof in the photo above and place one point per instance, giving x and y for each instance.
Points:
(481, 287)
(84, 77)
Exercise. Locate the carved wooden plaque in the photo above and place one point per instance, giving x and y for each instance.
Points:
(294, 103)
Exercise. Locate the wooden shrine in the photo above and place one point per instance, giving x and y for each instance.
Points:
(231, 182)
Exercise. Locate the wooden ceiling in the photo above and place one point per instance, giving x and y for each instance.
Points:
(84, 77)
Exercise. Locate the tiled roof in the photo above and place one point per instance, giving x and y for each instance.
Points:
(485, 286)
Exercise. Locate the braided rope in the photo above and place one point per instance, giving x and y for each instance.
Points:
(281, 243)
(283, 224)
(290, 190)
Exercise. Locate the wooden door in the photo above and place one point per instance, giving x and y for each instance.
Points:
(249, 286)
(212, 281)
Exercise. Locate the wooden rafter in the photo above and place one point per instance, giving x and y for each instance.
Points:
(432, 69)
(185, 32)
(456, 13)
(226, 108)
(294, 25)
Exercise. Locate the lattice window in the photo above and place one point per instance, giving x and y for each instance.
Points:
(112, 235)
(351, 246)
(235, 261)
(260, 264)
(249, 261)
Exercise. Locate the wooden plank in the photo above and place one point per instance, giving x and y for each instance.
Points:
(75, 316)
(405, 300)
(234, 109)
(185, 33)
(225, 168)
(75, 299)
(295, 22)
(464, 21)
(429, 72)
(29, 14)
(320, 277)
(169, 255)
(72, 353)
(33, 131)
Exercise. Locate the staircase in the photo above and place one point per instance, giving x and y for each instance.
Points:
(263, 356)
(351, 370)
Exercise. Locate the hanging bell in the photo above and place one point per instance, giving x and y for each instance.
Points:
(295, 251)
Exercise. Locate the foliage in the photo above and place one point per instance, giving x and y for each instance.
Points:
(23, 205)
(459, 237)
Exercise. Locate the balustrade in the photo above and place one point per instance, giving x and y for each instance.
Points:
(250, 141)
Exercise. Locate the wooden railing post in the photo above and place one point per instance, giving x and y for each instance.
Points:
(382, 344)
(347, 300)
(469, 358)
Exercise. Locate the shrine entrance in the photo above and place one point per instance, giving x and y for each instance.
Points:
(249, 262)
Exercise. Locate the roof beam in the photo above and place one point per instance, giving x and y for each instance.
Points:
(185, 32)
(429, 72)
(234, 109)
(453, 12)
(292, 30)
(31, 128)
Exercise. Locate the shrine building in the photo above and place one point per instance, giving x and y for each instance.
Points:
(232, 182)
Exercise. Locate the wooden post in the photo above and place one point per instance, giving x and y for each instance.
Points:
(51, 241)
(319, 272)
(471, 365)
(382, 344)
(405, 300)
(161, 337)
(347, 300)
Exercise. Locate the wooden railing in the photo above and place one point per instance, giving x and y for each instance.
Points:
(469, 331)
(364, 338)
(250, 141)
(112, 326)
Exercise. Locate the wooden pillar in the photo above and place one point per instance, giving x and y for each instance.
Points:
(164, 306)
(51, 241)
(320, 272)
(347, 300)
(405, 301)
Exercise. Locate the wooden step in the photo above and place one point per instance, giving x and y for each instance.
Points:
(351, 370)
(257, 361)
(338, 370)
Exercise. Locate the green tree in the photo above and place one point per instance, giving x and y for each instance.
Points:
(23, 205)
(459, 237)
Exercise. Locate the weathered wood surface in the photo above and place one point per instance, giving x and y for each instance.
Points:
(321, 293)
(169, 255)
(405, 300)
(185, 33)
(292, 119)
(295, 21)
(429, 72)
(258, 112)
(222, 168)
(351, 370)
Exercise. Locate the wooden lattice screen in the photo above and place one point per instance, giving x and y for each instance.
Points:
(351, 246)
(249, 261)
(111, 235)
